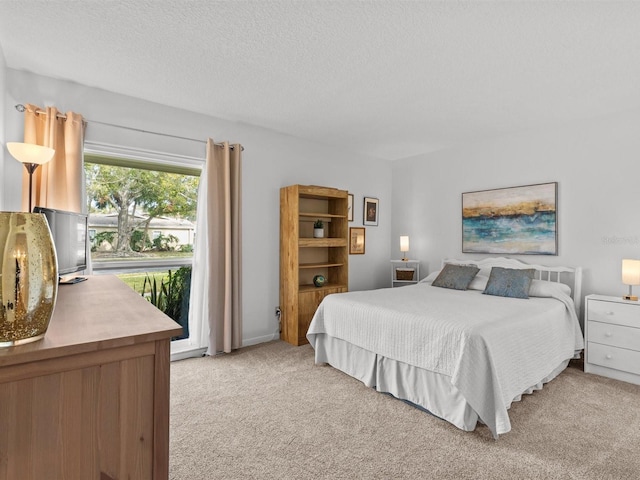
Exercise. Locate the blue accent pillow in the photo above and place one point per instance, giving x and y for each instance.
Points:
(509, 282)
(457, 277)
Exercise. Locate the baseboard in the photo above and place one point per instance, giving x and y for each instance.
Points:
(256, 340)
(188, 353)
(199, 352)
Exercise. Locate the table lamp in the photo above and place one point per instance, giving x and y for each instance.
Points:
(630, 276)
(31, 156)
(404, 247)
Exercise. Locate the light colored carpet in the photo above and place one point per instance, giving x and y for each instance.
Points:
(268, 412)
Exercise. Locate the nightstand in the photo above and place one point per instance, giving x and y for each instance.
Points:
(612, 338)
(404, 272)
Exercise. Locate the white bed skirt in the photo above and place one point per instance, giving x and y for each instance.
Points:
(429, 390)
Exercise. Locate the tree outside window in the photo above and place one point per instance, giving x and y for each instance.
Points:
(143, 227)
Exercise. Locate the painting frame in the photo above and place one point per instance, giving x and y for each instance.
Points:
(370, 211)
(520, 220)
(357, 240)
(350, 207)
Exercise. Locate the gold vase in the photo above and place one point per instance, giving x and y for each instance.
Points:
(29, 277)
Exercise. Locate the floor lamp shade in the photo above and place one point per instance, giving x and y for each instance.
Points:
(31, 156)
(30, 153)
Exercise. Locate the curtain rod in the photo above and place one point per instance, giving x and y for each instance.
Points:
(21, 108)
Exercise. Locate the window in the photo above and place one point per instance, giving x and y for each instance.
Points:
(142, 225)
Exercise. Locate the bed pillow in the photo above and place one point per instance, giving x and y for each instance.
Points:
(431, 277)
(457, 277)
(479, 282)
(541, 288)
(509, 282)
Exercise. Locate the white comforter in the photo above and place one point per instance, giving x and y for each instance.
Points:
(492, 348)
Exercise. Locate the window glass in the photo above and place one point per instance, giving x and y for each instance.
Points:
(142, 225)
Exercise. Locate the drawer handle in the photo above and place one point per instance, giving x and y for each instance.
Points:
(608, 334)
(608, 313)
(608, 356)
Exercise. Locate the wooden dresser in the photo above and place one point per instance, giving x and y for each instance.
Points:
(90, 400)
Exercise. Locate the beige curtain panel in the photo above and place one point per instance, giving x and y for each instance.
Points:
(59, 183)
(224, 234)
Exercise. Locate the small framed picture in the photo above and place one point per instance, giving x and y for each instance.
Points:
(356, 240)
(370, 211)
(350, 207)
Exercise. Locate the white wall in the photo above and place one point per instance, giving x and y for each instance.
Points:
(595, 163)
(270, 161)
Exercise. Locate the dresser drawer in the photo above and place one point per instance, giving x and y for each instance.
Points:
(613, 357)
(614, 335)
(616, 313)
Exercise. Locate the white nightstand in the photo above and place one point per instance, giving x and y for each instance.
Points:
(404, 272)
(612, 338)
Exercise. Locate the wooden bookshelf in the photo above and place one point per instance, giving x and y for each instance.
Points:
(302, 256)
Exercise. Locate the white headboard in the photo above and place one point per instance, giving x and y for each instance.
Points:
(572, 276)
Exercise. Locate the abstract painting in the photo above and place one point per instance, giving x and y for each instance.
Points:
(516, 220)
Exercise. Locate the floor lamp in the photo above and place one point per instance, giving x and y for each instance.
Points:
(31, 156)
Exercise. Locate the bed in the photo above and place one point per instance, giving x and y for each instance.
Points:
(462, 355)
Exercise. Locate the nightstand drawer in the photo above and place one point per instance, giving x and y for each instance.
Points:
(614, 335)
(613, 357)
(616, 313)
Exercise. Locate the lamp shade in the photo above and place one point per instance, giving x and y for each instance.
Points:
(30, 153)
(404, 243)
(631, 272)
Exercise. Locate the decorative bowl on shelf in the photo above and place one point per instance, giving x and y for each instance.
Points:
(319, 280)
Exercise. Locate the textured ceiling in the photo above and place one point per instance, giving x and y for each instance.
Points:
(389, 79)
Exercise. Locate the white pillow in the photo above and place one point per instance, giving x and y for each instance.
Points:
(479, 282)
(431, 277)
(541, 288)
